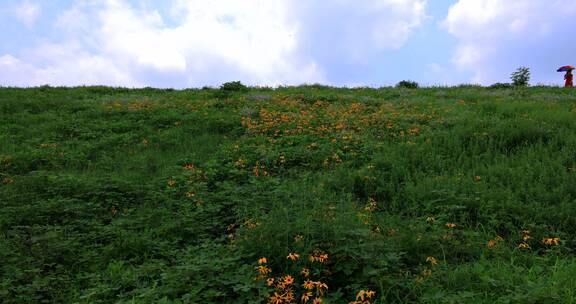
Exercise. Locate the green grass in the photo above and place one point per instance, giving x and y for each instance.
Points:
(112, 195)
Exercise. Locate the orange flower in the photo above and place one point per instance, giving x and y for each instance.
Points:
(308, 284)
(317, 301)
(263, 270)
(288, 280)
(293, 256)
(551, 241)
(262, 261)
(432, 260)
(321, 287)
(450, 225)
(270, 281)
(306, 296)
(524, 246)
(305, 272)
(276, 299)
(490, 243)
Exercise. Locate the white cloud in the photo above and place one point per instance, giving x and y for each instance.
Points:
(27, 13)
(497, 36)
(267, 42)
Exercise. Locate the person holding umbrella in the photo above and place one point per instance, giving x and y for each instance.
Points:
(568, 76)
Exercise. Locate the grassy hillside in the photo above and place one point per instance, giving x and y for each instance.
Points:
(436, 195)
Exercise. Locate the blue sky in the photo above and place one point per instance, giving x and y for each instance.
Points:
(192, 43)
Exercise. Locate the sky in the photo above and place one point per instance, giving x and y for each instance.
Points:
(196, 43)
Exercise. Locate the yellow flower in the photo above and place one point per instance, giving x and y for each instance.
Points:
(305, 272)
(306, 296)
(171, 183)
(288, 280)
(308, 284)
(190, 194)
(262, 261)
(432, 260)
(321, 287)
(450, 225)
(524, 246)
(317, 301)
(551, 241)
(430, 220)
(263, 270)
(276, 299)
(293, 256)
(270, 281)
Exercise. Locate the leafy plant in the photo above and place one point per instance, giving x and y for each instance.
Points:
(407, 84)
(234, 86)
(521, 77)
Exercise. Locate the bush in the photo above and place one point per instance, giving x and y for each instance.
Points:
(407, 84)
(500, 85)
(521, 77)
(234, 86)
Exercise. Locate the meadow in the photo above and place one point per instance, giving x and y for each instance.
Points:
(305, 194)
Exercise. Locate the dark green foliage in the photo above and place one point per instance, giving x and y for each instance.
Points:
(407, 84)
(234, 86)
(500, 85)
(521, 77)
(114, 195)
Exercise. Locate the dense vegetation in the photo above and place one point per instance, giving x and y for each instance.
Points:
(391, 195)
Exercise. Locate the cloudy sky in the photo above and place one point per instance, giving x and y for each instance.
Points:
(193, 43)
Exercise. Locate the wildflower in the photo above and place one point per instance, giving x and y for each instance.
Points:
(262, 261)
(322, 258)
(276, 299)
(298, 238)
(308, 284)
(189, 166)
(363, 294)
(270, 281)
(306, 296)
(432, 260)
(171, 183)
(317, 301)
(293, 256)
(450, 225)
(190, 194)
(145, 142)
(490, 243)
(371, 206)
(263, 270)
(524, 246)
(430, 220)
(477, 178)
(305, 272)
(288, 296)
(321, 287)
(551, 241)
(288, 280)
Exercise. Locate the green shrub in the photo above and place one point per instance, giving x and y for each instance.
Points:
(234, 86)
(521, 77)
(500, 85)
(407, 84)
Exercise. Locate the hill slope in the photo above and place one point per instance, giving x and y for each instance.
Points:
(438, 195)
